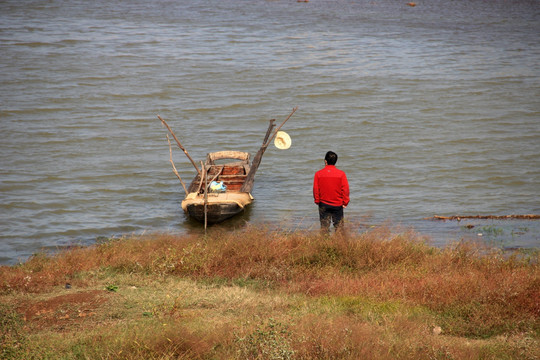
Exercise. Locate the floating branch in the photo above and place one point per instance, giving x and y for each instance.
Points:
(494, 217)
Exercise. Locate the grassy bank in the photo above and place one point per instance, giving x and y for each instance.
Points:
(265, 294)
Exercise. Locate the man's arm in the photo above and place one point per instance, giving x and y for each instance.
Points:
(316, 195)
(345, 190)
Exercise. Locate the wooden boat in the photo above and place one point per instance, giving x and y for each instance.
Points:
(229, 167)
(233, 168)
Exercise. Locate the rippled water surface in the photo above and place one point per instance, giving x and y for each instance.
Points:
(433, 109)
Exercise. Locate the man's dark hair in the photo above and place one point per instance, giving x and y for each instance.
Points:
(331, 158)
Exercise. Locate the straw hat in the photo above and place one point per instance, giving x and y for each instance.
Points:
(282, 140)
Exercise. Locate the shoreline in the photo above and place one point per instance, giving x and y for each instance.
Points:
(506, 232)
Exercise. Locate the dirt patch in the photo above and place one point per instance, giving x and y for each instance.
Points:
(64, 310)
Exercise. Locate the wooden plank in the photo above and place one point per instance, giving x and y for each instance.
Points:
(232, 177)
(233, 170)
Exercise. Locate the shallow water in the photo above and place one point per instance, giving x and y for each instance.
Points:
(432, 109)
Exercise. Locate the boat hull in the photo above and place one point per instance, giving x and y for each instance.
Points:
(216, 213)
(219, 207)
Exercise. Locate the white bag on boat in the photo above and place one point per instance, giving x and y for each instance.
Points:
(217, 186)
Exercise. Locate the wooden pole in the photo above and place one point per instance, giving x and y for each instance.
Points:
(268, 131)
(205, 197)
(201, 178)
(174, 167)
(279, 127)
(178, 143)
(250, 178)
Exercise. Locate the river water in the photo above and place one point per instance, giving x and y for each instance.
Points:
(432, 109)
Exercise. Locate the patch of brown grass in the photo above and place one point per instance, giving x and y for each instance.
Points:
(474, 291)
(62, 310)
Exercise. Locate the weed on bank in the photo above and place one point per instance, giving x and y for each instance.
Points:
(258, 293)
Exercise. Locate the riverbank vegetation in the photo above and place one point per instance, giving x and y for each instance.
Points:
(260, 293)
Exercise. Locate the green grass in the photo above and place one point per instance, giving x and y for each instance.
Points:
(265, 294)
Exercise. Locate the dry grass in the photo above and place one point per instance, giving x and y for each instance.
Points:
(260, 293)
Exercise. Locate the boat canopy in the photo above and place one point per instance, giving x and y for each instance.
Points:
(211, 158)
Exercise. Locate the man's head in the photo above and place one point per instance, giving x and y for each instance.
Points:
(331, 158)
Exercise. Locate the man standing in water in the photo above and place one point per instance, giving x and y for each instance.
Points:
(331, 192)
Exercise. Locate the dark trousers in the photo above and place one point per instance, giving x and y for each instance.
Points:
(329, 213)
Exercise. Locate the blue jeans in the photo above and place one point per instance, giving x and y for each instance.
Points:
(329, 213)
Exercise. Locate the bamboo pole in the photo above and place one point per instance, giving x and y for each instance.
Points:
(174, 167)
(178, 143)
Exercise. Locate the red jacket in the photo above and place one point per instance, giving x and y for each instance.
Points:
(330, 186)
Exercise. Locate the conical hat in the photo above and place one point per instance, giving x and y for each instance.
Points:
(282, 140)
